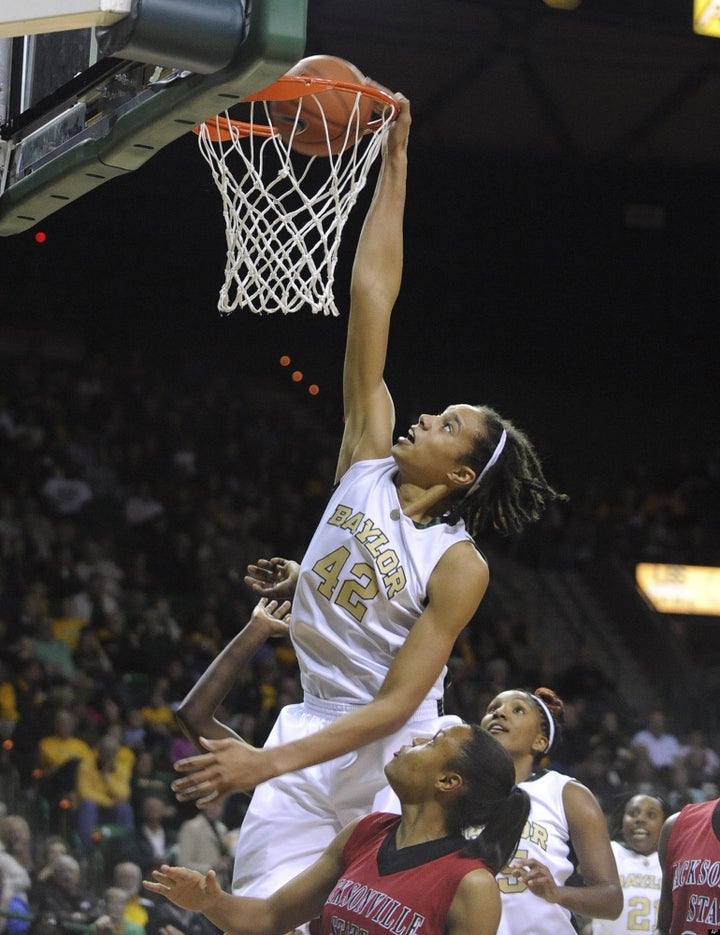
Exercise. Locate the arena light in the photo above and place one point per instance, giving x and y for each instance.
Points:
(706, 17)
(680, 589)
(563, 4)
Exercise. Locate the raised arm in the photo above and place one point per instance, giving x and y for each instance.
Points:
(455, 589)
(273, 577)
(376, 276)
(196, 713)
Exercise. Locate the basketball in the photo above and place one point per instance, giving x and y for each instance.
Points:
(310, 137)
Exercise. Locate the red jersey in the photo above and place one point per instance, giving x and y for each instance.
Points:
(383, 891)
(693, 860)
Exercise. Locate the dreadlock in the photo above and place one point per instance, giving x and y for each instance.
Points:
(514, 491)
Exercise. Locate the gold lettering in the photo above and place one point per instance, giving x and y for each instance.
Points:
(340, 514)
(395, 583)
(369, 529)
(539, 836)
(353, 523)
(375, 547)
(388, 562)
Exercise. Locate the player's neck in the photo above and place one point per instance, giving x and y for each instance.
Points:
(423, 505)
(524, 767)
(419, 824)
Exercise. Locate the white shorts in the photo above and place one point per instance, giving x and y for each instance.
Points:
(293, 818)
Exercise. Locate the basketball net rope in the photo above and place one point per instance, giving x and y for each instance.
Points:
(284, 212)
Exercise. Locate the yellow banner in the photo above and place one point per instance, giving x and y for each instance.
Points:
(680, 589)
(706, 17)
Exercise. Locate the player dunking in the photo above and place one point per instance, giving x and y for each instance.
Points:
(389, 580)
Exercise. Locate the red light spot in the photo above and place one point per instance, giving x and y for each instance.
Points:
(65, 803)
(7, 744)
(284, 361)
(40, 237)
(313, 389)
(297, 376)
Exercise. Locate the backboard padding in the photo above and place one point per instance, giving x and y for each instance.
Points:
(114, 142)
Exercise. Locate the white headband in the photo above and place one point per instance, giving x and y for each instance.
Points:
(493, 459)
(550, 719)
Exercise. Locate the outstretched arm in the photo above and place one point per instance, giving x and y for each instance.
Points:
(196, 713)
(455, 589)
(376, 276)
(273, 577)
(298, 901)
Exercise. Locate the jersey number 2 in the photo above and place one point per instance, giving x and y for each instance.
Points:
(346, 592)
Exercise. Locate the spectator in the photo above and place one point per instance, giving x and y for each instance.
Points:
(158, 717)
(113, 920)
(16, 840)
(612, 736)
(172, 920)
(63, 894)
(97, 559)
(702, 764)
(55, 653)
(59, 755)
(16, 878)
(202, 844)
(152, 841)
(150, 779)
(128, 876)
(67, 495)
(52, 847)
(103, 788)
(655, 748)
(94, 602)
(118, 643)
(12, 902)
(142, 506)
(91, 661)
(21, 699)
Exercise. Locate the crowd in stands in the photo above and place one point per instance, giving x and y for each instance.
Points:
(132, 496)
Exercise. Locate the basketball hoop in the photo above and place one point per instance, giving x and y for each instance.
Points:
(285, 212)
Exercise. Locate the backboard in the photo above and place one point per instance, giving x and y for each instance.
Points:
(81, 106)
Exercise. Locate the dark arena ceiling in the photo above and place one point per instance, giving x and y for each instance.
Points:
(619, 80)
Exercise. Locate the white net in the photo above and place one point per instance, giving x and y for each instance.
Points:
(285, 212)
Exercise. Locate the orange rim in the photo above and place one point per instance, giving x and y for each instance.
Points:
(221, 128)
(288, 88)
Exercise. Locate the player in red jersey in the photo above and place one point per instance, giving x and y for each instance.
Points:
(430, 870)
(689, 849)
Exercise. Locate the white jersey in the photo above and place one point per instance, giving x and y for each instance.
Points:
(546, 837)
(363, 583)
(641, 879)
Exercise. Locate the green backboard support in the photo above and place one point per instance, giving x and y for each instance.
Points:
(107, 145)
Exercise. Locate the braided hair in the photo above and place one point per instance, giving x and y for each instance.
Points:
(489, 799)
(513, 492)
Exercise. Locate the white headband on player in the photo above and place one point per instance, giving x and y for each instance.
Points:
(493, 460)
(550, 719)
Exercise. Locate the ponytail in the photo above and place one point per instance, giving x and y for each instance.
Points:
(489, 803)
